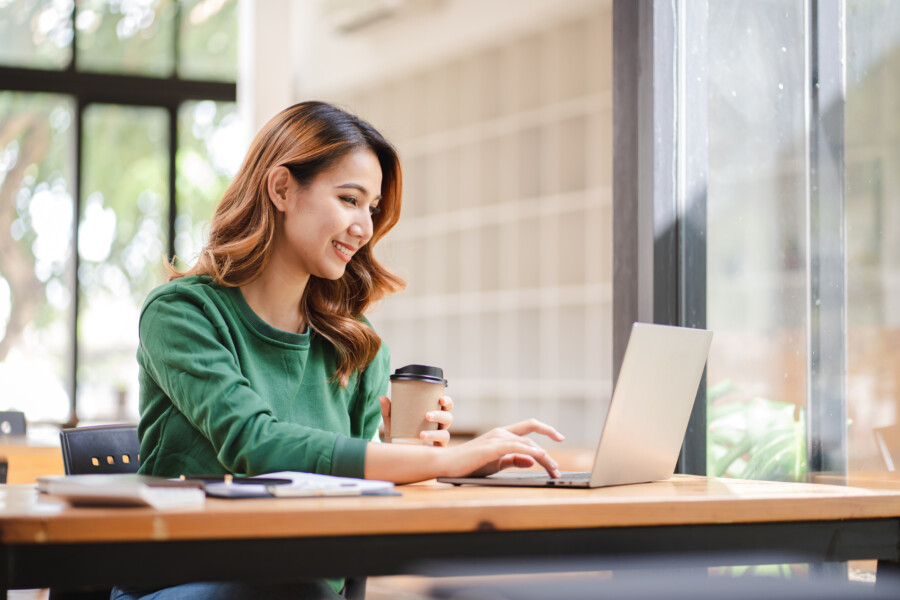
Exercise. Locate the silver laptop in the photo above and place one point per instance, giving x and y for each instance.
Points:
(647, 417)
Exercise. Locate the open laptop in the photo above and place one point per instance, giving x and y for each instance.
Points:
(647, 418)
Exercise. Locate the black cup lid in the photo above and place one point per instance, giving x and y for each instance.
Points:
(420, 373)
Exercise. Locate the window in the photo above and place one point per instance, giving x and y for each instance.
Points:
(117, 122)
(784, 222)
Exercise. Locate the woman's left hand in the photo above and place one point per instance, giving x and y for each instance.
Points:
(443, 417)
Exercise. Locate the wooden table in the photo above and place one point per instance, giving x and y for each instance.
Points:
(32, 455)
(45, 543)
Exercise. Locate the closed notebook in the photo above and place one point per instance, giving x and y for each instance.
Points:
(123, 489)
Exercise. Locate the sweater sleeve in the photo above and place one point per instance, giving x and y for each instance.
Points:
(182, 349)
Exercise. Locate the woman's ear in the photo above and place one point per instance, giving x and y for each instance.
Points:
(277, 184)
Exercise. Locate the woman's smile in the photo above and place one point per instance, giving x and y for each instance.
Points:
(344, 251)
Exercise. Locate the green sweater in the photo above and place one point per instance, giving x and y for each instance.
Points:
(224, 392)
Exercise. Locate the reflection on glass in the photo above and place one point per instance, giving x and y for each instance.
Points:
(209, 154)
(121, 247)
(36, 34)
(872, 153)
(756, 249)
(36, 206)
(126, 37)
(208, 40)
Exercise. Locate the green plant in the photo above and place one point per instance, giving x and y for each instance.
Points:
(752, 437)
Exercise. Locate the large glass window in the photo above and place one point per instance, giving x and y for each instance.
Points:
(209, 154)
(36, 34)
(872, 152)
(756, 248)
(36, 213)
(96, 163)
(126, 37)
(121, 247)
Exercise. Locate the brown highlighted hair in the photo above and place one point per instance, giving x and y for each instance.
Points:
(307, 138)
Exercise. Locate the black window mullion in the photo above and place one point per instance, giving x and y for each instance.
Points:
(173, 201)
(827, 302)
(73, 62)
(76, 289)
(692, 198)
(104, 88)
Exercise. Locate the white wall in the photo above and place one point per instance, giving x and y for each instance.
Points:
(423, 32)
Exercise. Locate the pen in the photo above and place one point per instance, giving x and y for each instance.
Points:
(235, 479)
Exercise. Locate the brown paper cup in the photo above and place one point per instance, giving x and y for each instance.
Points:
(410, 402)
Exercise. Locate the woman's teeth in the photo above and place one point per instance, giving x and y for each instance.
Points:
(342, 249)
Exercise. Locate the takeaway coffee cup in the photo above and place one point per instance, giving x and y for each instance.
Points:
(415, 391)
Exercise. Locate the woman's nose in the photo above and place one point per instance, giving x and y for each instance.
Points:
(362, 228)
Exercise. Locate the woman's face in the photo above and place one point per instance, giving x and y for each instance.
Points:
(329, 220)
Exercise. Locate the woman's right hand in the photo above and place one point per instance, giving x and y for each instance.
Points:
(500, 449)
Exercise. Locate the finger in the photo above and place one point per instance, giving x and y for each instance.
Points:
(519, 461)
(438, 437)
(386, 417)
(446, 402)
(538, 453)
(535, 426)
(443, 418)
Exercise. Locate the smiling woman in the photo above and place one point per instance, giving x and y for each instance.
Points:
(260, 359)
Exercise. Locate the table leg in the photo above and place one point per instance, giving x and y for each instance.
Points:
(887, 574)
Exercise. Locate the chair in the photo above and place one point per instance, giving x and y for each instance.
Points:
(102, 449)
(888, 441)
(12, 422)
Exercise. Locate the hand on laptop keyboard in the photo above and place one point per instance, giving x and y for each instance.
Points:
(502, 448)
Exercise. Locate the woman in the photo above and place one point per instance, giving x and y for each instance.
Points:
(259, 358)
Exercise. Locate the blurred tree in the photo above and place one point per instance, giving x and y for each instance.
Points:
(29, 134)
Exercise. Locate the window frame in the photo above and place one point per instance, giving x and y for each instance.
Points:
(87, 88)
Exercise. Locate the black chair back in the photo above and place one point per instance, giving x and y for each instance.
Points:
(12, 422)
(100, 449)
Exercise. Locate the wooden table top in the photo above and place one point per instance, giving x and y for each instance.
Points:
(27, 517)
(879, 480)
(32, 455)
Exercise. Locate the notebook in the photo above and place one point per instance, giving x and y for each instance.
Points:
(123, 489)
(300, 485)
(647, 417)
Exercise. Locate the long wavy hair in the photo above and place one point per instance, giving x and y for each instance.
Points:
(307, 138)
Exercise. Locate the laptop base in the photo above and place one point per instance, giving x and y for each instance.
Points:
(570, 479)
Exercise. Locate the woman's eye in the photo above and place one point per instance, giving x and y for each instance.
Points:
(349, 199)
(374, 210)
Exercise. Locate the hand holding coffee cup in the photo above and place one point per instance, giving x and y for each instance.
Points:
(418, 411)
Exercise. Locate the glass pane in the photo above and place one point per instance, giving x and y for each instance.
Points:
(36, 266)
(872, 153)
(209, 154)
(36, 34)
(208, 40)
(756, 249)
(133, 37)
(121, 247)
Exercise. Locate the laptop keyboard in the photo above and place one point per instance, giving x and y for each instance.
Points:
(565, 476)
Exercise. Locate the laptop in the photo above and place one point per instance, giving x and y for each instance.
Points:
(647, 417)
